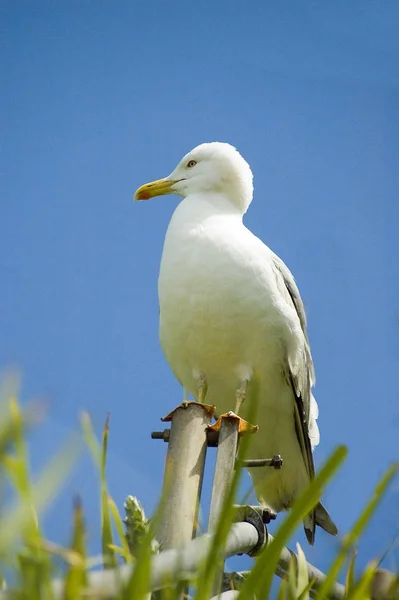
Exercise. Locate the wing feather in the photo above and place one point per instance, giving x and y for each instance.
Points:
(301, 376)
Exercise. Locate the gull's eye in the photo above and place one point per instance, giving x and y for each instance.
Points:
(191, 164)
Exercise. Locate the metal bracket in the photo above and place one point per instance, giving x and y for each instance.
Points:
(250, 514)
(243, 426)
(209, 408)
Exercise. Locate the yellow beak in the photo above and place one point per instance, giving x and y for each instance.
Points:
(154, 188)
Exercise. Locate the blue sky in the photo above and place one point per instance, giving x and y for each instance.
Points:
(103, 96)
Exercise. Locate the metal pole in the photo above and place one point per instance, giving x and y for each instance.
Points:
(184, 470)
(171, 565)
(384, 585)
(224, 471)
(337, 592)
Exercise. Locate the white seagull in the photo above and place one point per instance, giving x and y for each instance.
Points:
(231, 314)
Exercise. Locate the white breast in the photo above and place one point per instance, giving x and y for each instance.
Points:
(220, 312)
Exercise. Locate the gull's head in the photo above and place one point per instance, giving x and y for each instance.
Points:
(213, 168)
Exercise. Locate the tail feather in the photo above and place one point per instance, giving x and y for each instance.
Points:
(319, 516)
(324, 520)
(309, 525)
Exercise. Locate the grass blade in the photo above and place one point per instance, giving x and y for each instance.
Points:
(16, 520)
(361, 591)
(350, 575)
(99, 454)
(76, 579)
(353, 536)
(302, 575)
(107, 539)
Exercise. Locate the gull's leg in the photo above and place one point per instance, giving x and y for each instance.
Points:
(202, 387)
(241, 394)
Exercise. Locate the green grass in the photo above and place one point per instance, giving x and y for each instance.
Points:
(35, 561)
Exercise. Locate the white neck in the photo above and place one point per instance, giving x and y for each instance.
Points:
(200, 207)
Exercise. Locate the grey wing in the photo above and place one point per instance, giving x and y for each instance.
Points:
(301, 376)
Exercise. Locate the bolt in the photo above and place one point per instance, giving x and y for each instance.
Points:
(161, 435)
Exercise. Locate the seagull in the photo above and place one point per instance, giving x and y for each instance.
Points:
(232, 320)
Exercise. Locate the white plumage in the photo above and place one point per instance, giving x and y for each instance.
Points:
(231, 314)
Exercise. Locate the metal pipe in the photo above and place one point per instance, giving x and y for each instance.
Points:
(384, 585)
(223, 476)
(186, 561)
(184, 470)
(224, 469)
(337, 592)
(171, 565)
